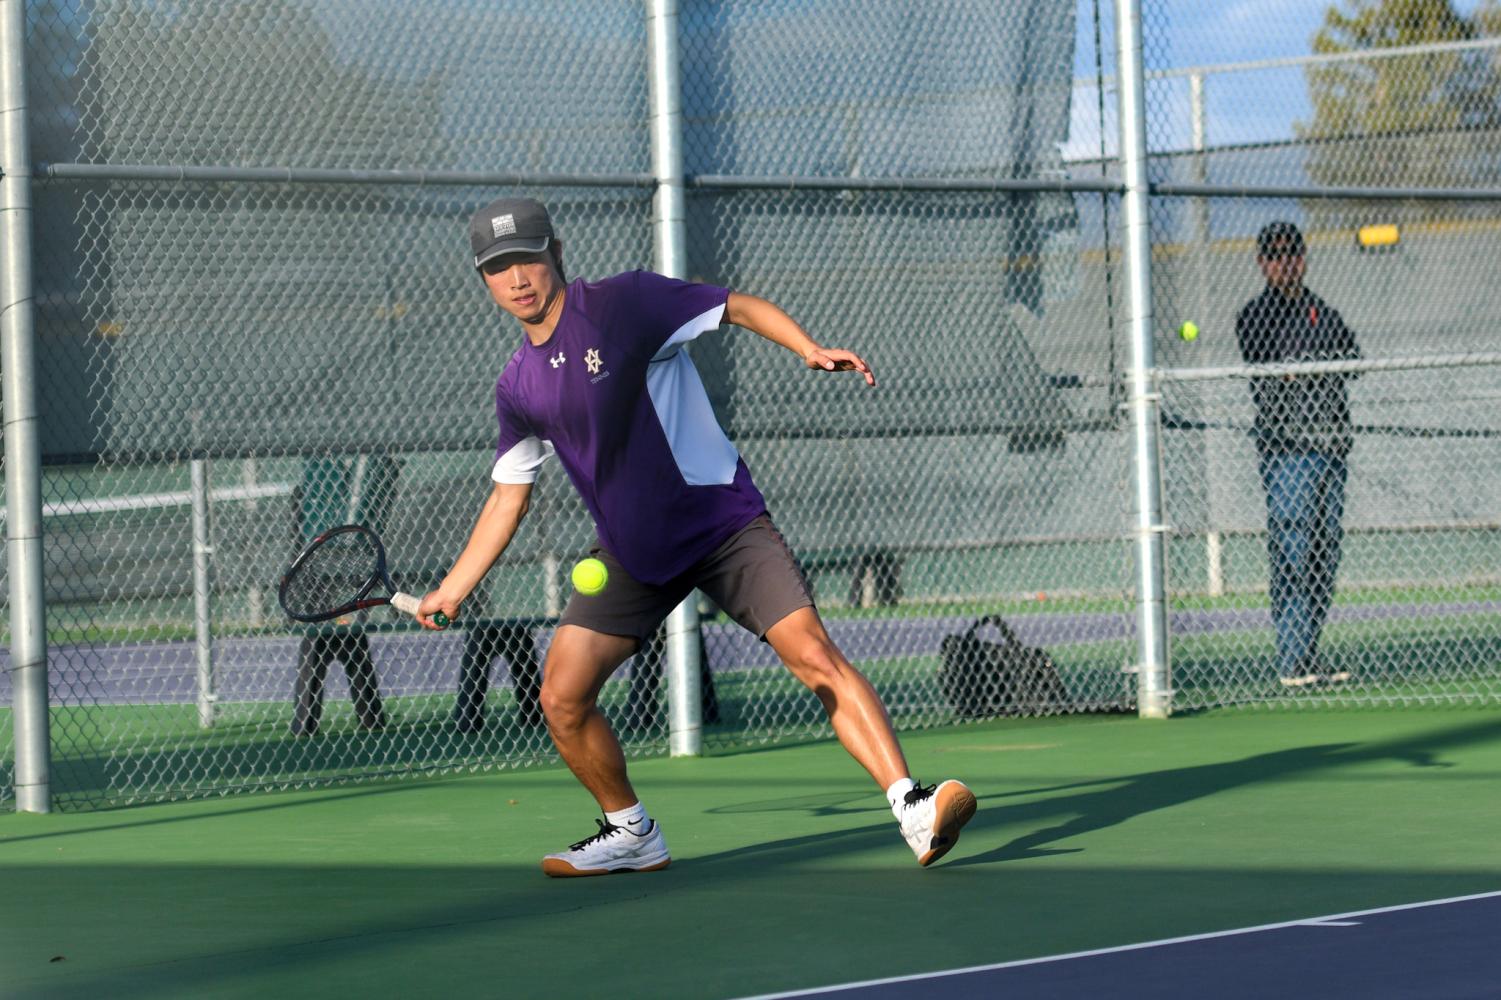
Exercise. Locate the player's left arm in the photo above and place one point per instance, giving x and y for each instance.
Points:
(768, 320)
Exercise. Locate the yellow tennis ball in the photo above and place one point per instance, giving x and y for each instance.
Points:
(1189, 331)
(590, 576)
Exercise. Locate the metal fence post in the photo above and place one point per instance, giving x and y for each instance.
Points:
(1201, 222)
(684, 697)
(1214, 456)
(1153, 692)
(203, 610)
(23, 470)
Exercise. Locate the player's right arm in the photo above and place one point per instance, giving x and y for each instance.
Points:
(519, 455)
(492, 533)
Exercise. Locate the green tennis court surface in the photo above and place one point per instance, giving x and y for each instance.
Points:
(788, 872)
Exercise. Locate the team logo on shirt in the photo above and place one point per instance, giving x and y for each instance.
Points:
(594, 363)
(556, 359)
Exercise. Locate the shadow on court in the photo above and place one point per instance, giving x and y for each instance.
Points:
(304, 931)
(1128, 797)
(1091, 807)
(744, 909)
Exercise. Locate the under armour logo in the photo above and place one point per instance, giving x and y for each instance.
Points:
(591, 361)
(556, 359)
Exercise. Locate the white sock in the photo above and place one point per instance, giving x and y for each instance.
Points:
(633, 818)
(897, 795)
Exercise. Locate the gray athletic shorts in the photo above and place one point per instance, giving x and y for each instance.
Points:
(753, 577)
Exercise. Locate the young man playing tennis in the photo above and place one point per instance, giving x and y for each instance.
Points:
(601, 380)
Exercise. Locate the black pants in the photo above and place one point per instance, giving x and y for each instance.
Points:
(511, 641)
(350, 646)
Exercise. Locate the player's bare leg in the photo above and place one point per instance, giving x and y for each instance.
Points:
(930, 817)
(859, 718)
(579, 661)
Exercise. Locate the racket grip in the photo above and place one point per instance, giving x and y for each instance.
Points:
(407, 604)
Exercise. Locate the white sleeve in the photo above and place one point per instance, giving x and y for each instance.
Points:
(700, 324)
(520, 464)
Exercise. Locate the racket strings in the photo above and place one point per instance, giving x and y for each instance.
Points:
(332, 574)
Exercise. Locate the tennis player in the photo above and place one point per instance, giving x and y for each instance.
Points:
(601, 380)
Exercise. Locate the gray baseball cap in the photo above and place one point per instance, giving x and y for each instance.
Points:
(509, 225)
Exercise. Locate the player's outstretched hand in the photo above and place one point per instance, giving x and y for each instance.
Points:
(833, 359)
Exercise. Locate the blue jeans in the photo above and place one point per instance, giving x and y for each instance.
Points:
(1305, 503)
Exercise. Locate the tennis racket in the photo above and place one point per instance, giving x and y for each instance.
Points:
(340, 572)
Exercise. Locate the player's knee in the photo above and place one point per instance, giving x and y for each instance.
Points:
(563, 710)
(818, 664)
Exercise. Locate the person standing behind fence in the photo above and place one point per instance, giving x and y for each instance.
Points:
(338, 491)
(1303, 437)
(601, 379)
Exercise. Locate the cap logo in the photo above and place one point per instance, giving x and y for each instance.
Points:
(503, 225)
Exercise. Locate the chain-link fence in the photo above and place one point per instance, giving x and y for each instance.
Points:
(256, 319)
(1334, 516)
(245, 343)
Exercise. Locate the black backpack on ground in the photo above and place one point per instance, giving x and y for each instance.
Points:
(982, 678)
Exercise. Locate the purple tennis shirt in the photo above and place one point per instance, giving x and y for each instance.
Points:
(615, 396)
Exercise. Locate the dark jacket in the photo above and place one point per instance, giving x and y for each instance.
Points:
(1307, 412)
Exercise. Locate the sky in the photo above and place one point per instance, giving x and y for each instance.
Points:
(1241, 107)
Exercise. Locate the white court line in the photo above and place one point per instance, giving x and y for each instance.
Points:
(1329, 921)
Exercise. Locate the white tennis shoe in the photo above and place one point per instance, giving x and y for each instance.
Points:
(613, 849)
(933, 816)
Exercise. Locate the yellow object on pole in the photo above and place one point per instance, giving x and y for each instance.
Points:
(1372, 237)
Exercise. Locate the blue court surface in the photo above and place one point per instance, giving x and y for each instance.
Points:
(1443, 948)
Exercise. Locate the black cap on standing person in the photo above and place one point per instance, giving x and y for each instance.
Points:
(1279, 237)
